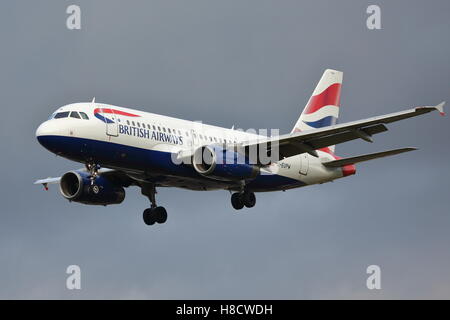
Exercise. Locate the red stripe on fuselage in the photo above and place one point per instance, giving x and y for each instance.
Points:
(330, 96)
(112, 111)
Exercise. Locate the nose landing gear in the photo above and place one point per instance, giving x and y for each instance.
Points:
(93, 170)
(154, 214)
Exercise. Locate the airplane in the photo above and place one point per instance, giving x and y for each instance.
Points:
(122, 147)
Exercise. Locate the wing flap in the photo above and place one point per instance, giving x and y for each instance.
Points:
(344, 136)
(365, 157)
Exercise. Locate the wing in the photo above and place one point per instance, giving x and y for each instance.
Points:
(46, 182)
(114, 175)
(309, 141)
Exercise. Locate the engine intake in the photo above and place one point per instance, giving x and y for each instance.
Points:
(223, 164)
(74, 186)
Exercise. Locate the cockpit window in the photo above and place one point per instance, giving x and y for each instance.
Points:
(75, 114)
(84, 116)
(60, 115)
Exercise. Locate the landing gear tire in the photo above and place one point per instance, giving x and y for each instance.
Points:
(249, 199)
(153, 215)
(237, 201)
(160, 214)
(149, 217)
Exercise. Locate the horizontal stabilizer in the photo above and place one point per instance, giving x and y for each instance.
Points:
(365, 157)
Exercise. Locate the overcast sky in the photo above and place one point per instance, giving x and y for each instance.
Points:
(249, 63)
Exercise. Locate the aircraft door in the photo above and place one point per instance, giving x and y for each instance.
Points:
(112, 128)
(304, 164)
(194, 138)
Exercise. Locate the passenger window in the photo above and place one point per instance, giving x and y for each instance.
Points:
(154, 128)
(128, 122)
(215, 139)
(159, 128)
(139, 125)
(75, 115)
(168, 129)
(164, 129)
(187, 134)
(148, 126)
(60, 115)
(179, 132)
(133, 123)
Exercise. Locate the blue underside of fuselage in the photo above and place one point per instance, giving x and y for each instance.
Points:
(109, 154)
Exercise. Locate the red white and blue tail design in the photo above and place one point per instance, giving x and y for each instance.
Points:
(322, 109)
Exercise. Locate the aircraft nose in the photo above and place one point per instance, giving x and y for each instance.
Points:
(42, 130)
(44, 133)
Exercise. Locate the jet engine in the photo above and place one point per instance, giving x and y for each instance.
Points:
(76, 186)
(222, 164)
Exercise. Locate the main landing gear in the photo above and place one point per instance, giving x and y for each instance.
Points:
(154, 214)
(241, 199)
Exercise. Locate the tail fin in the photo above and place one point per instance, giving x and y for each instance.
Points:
(322, 109)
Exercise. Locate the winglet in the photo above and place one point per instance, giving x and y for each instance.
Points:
(440, 108)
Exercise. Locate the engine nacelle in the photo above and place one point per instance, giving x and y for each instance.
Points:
(222, 164)
(74, 186)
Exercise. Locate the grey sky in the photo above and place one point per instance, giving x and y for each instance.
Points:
(253, 64)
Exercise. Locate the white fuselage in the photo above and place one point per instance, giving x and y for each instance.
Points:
(120, 135)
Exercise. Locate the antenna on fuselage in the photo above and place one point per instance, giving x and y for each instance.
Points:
(93, 100)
